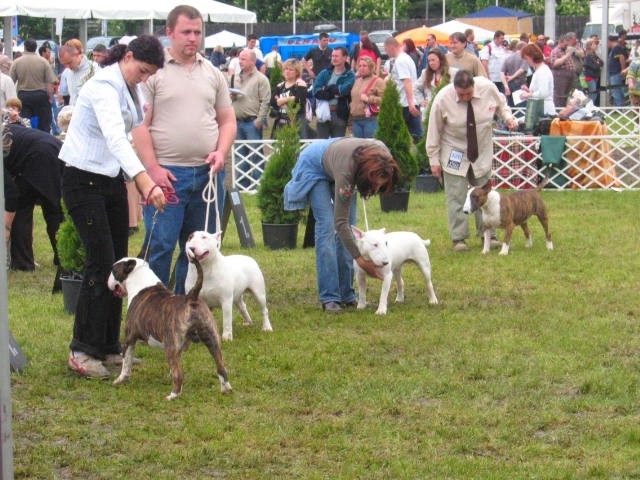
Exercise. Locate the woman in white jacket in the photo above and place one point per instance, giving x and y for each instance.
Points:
(541, 86)
(98, 155)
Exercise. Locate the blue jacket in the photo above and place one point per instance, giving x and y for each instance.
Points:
(308, 171)
(342, 88)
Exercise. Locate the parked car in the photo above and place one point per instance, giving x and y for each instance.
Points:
(325, 27)
(378, 37)
(107, 41)
(595, 29)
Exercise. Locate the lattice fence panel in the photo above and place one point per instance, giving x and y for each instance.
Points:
(517, 162)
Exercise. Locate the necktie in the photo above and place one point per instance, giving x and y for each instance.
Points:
(472, 136)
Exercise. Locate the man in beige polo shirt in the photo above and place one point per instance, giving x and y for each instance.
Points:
(34, 80)
(188, 129)
(251, 106)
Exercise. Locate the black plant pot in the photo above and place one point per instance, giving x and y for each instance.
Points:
(396, 201)
(427, 183)
(280, 236)
(71, 291)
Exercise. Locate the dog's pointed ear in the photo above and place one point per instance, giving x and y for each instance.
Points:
(383, 231)
(487, 186)
(357, 232)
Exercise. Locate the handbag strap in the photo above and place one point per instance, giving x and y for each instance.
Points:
(366, 90)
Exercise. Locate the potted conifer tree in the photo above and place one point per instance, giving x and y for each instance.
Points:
(280, 227)
(425, 181)
(73, 258)
(393, 132)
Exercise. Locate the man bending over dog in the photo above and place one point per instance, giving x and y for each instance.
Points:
(459, 144)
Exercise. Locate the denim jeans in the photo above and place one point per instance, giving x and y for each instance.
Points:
(248, 131)
(617, 92)
(336, 127)
(177, 222)
(364, 127)
(413, 123)
(594, 94)
(98, 206)
(333, 262)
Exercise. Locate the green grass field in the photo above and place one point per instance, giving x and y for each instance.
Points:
(528, 368)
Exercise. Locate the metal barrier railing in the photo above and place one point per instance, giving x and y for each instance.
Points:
(605, 162)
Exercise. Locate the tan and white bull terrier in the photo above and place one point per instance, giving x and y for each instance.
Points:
(507, 211)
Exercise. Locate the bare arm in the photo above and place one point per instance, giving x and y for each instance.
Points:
(309, 70)
(562, 59)
(408, 88)
(226, 119)
(505, 83)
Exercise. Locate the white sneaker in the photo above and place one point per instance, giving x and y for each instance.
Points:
(87, 366)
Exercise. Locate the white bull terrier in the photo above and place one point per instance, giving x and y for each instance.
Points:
(226, 279)
(389, 252)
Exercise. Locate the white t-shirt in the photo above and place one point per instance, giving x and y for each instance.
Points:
(258, 53)
(403, 67)
(271, 58)
(234, 65)
(495, 54)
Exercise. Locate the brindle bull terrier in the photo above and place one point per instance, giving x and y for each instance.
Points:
(162, 319)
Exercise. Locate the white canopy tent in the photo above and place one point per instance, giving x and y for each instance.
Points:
(211, 10)
(481, 34)
(226, 39)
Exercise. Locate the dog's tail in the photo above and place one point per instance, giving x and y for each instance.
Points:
(542, 184)
(195, 290)
(427, 242)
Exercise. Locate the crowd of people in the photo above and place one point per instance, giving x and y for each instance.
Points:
(150, 124)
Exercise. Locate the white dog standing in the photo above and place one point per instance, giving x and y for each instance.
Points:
(226, 279)
(389, 251)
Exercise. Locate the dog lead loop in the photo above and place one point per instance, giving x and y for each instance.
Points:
(209, 196)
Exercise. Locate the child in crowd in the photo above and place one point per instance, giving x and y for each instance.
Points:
(13, 109)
